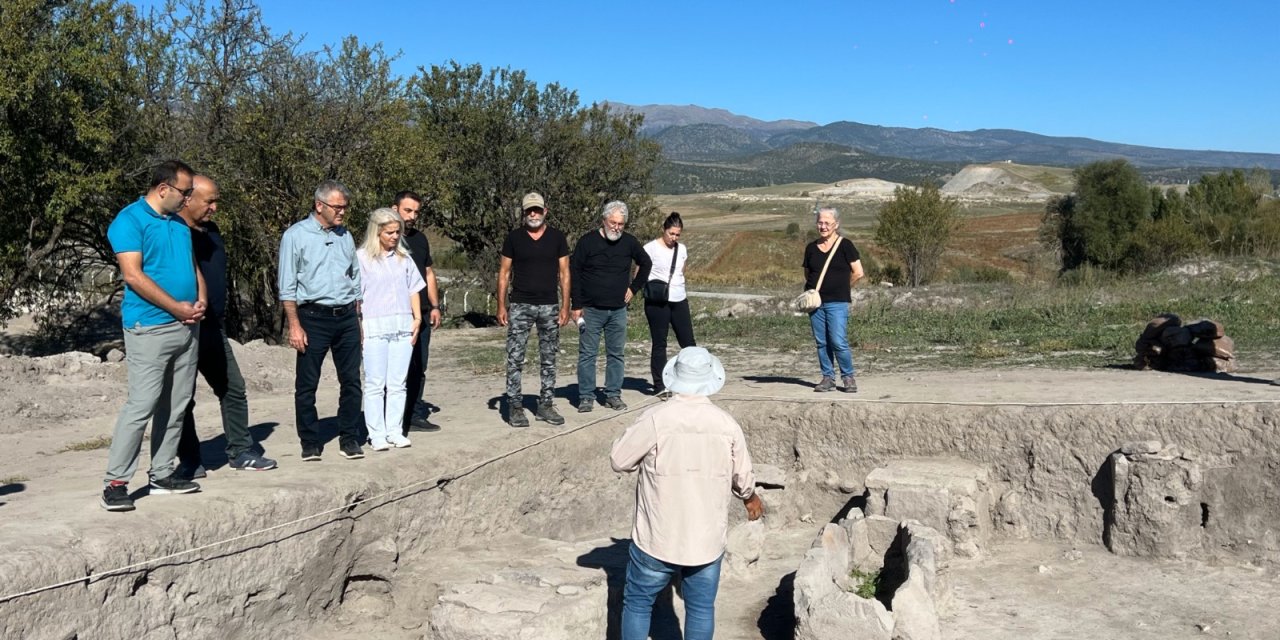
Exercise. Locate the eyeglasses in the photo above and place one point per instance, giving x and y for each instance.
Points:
(338, 208)
(614, 225)
(535, 211)
(186, 193)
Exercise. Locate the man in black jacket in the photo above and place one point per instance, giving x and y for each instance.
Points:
(602, 286)
(216, 360)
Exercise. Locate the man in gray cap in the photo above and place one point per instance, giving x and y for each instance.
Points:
(683, 494)
(537, 255)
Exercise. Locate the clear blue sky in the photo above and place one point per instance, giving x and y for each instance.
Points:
(1180, 74)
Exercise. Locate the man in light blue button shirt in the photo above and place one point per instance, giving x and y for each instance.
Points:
(320, 290)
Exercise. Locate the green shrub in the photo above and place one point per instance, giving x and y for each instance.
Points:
(864, 583)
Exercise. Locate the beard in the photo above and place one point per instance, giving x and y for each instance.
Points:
(533, 223)
(611, 235)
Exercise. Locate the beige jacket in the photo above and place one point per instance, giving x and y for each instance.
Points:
(692, 457)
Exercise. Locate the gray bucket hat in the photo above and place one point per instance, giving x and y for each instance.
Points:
(694, 371)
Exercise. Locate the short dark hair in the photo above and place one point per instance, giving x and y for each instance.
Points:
(168, 171)
(673, 220)
(406, 194)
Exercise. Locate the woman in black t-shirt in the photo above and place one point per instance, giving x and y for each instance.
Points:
(830, 321)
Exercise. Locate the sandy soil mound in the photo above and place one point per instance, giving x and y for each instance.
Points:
(980, 181)
(862, 187)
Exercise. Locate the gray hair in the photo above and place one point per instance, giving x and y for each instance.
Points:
(377, 220)
(615, 206)
(835, 213)
(328, 187)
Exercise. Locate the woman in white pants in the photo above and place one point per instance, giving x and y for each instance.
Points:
(392, 315)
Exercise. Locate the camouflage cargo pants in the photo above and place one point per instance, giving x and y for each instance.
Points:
(520, 319)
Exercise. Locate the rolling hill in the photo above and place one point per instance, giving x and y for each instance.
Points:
(713, 149)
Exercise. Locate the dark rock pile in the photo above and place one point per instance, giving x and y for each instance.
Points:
(1168, 345)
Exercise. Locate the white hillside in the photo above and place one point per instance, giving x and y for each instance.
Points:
(986, 181)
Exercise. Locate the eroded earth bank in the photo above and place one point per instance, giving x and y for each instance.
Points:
(1012, 504)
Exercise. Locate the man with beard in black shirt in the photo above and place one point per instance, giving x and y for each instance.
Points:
(416, 414)
(602, 286)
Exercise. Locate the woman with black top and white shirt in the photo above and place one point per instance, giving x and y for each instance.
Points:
(674, 313)
(830, 321)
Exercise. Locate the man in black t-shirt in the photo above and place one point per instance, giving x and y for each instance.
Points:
(408, 204)
(538, 255)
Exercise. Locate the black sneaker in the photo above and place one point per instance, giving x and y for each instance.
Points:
(251, 461)
(172, 484)
(310, 453)
(850, 385)
(421, 423)
(516, 417)
(115, 497)
(352, 451)
(615, 403)
(585, 406)
(548, 414)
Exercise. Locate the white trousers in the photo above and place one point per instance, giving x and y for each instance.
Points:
(386, 363)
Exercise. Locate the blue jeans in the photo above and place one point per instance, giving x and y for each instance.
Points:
(830, 323)
(647, 576)
(613, 322)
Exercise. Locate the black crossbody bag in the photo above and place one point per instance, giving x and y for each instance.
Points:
(658, 291)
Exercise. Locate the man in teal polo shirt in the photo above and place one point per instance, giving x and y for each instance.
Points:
(164, 300)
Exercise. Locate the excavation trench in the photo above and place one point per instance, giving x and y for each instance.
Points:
(545, 525)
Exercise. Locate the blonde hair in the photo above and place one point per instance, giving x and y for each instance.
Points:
(377, 220)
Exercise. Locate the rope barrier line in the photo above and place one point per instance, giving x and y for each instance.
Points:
(438, 482)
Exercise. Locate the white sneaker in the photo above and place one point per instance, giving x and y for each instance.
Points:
(398, 441)
(379, 445)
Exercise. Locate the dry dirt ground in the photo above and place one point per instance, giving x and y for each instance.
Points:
(57, 410)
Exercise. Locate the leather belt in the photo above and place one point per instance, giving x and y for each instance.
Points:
(317, 309)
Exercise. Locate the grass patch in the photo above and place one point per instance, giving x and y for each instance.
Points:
(1091, 321)
(92, 444)
(864, 583)
(14, 480)
(1076, 325)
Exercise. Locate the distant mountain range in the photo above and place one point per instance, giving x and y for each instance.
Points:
(713, 149)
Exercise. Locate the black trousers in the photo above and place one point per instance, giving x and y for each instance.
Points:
(217, 364)
(416, 380)
(340, 334)
(662, 317)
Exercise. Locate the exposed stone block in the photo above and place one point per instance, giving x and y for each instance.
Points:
(947, 494)
(745, 543)
(1157, 509)
(909, 559)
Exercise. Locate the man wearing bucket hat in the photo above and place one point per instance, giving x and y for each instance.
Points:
(692, 456)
